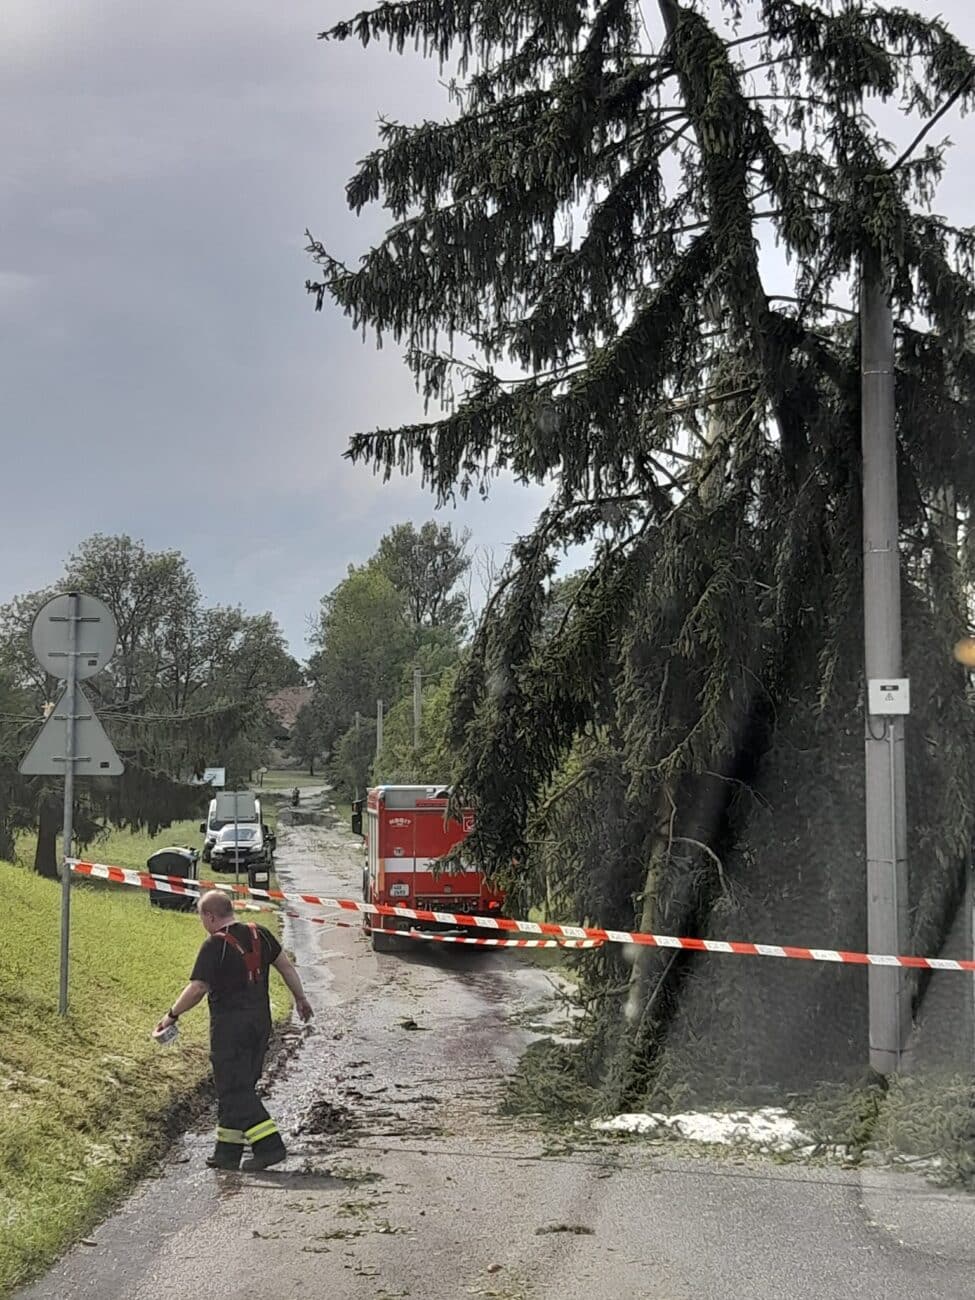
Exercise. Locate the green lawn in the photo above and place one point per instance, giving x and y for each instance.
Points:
(133, 848)
(84, 1099)
(125, 848)
(284, 779)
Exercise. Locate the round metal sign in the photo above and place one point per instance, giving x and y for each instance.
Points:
(95, 636)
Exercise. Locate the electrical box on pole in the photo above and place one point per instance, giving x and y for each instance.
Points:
(885, 696)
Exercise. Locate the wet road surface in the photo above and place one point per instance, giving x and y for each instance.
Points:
(403, 1180)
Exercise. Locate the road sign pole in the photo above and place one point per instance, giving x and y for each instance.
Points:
(73, 637)
(71, 708)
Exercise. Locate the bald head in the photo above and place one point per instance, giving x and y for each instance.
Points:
(216, 905)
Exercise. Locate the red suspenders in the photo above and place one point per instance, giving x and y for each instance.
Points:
(251, 956)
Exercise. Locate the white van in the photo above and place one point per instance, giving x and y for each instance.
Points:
(248, 813)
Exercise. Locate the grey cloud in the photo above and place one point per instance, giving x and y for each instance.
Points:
(159, 361)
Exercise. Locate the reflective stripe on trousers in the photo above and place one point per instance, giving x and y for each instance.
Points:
(267, 1128)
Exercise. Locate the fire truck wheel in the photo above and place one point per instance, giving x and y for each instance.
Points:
(383, 941)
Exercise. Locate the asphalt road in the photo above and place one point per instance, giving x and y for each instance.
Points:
(403, 1181)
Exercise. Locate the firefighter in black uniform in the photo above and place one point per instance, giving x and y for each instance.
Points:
(232, 968)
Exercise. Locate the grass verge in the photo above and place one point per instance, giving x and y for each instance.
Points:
(84, 1099)
(285, 779)
(88, 1100)
(124, 848)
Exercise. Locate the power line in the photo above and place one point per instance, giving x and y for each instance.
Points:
(932, 122)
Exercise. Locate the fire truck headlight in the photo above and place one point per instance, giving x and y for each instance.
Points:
(400, 890)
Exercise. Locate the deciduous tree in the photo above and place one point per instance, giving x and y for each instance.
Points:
(426, 564)
(186, 684)
(363, 642)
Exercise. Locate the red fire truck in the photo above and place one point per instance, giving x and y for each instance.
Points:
(407, 832)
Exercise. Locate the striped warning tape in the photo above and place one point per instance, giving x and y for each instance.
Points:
(430, 935)
(498, 943)
(177, 885)
(194, 889)
(434, 937)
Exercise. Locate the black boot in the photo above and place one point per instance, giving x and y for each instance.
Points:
(226, 1155)
(269, 1152)
(267, 1147)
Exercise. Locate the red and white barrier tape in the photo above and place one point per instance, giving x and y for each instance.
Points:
(476, 940)
(177, 885)
(426, 935)
(193, 889)
(432, 936)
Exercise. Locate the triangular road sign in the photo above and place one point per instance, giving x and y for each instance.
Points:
(94, 753)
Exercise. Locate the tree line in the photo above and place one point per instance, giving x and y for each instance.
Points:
(188, 686)
(402, 612)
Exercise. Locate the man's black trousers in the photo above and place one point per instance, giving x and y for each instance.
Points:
(238, 1043)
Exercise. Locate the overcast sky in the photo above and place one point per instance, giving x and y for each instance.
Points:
(162, 372)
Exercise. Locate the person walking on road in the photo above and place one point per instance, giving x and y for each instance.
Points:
(232, 969)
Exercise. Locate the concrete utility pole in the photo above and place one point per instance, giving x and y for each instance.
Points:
(417, 706)
(379, 727)
(886, 811)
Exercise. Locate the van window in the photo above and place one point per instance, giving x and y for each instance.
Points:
(217, 825)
